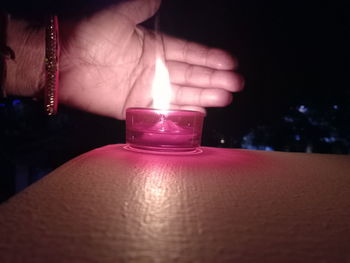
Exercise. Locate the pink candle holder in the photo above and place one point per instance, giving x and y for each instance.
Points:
(163, 130)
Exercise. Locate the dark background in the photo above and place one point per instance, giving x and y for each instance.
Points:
(294, 57)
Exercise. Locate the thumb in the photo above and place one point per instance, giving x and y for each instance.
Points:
(138, 10)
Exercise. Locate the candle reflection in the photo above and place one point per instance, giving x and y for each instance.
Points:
(156, 193)
(156, 214)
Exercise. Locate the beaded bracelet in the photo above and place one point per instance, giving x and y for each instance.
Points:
(52, 52)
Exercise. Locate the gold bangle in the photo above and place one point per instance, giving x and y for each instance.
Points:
(52, 52)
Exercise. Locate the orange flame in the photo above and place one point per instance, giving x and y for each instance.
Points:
(161, 88)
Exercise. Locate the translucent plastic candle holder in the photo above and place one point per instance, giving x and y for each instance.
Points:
(163, 130)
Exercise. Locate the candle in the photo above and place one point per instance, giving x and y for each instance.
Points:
(163, 130)
(159, 128)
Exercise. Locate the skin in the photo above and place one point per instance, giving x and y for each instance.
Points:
(107, 64)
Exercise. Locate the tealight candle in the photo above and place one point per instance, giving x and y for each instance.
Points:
(163, 130)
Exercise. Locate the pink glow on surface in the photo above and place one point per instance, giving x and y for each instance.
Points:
(163, 130)
(208, 158)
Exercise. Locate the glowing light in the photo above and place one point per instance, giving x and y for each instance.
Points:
(302, 109)
(288, 119)
(16, 102)
(161, 88)
(222, 141)
(328, 139)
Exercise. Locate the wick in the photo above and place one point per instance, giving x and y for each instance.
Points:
(162, 122)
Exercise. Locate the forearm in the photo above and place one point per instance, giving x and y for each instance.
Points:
(25, 75)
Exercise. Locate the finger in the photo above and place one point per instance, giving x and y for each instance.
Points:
(203, 77)
(193, 53)
(138, 10)
(189, 96)
(186, 107)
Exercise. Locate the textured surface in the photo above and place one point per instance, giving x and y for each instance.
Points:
(114, 205)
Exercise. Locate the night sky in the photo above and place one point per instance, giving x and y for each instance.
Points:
(294, 52)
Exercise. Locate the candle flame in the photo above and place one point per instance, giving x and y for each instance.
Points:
(161, 88)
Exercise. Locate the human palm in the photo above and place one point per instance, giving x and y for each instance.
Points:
(107, 64)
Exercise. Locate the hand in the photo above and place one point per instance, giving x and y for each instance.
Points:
(107, 64)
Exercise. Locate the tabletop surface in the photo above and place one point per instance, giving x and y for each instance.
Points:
(221, 205)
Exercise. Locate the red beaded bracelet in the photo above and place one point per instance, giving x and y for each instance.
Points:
(52, 53)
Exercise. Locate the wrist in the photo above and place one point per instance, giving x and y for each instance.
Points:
(26, 74)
